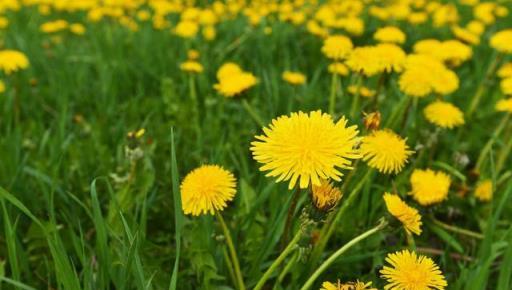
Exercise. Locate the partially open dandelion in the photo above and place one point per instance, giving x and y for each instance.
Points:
(294, 78)
(407, 215)
(207, 189)
(12, 61)
(409, 271)
(385, 151)
(338, 68)
(337, 47)
(227, 70)
(429, 187)
(325, 196)
(390, 34)
(358, 285)
(77, 28)
(305, 148)
(483, 190)
(504, 105)
(191, 66)
(502, 41)
(444, 114)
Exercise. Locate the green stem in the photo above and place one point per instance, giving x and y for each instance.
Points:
(489, 143)
(504, 153)
(475, 101)
(355, 101)
(457, 229)
(229, 265)
(332, 96)
(287, 268)
(410, 241)
(254, 115)
(382, 224)
(232, 251)
(278, 261)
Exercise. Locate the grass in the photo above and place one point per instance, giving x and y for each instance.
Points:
(77, 212)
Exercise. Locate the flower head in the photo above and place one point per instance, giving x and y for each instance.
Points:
(347, 286)
(506, 86)
(407, 215)
(235, 84)
(325, 195)
(191, 66)
(504, 105)
(228, 69)
(505, 70)
(207, 189)
(444, 114)
(483, 190)
(409, 271)
(338, 68)
(429, 187)
(186, 29)
(337, 47)
(12, 61)
(294, 78)
(306, 148)
(502, 41)
(390, 34)
(385, 151)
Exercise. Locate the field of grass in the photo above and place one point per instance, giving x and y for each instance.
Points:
(102, 125)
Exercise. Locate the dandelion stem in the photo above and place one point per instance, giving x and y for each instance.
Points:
(232, 251)
(278, 261)
(229, 265)
(332, 96)
(457, 229)
(289, 217)
(483, 85)
(489, 143)
(254, 115)
(382, 224)
(504, 153)
(286, 269)
(355, 101)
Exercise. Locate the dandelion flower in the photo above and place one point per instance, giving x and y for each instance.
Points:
(235, 84)
(505, 70)
(466, 35)
(407, 215)
(325, 195)
(186, 29)
(77, 29)
(294, 78)
(502, 41)
(338, 68)
(191, 66)
(410, 271)
(429, 187)
(444, 114)
(483, 190)
(228, 69)
(385, 151)
(54, 26)
(506, 86)
(347, 286)
(12, 61)
(337, 47)
(415, 83)
(363, 91)
(306, 148)
(364, 60)
(504, 105)
(390, 34)
(207, 189)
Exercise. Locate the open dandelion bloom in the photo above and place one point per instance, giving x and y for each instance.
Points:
(12, 61)
(505, 70)
(410, 271)
(235, 84)
(338, 68)
(502, 41)
(337, 47)
(294, 78)
(77, 28)
(483, 190)
(450, 51)
(504, 105)
(466, 35)
(186, 29)
(385, 151)
(389, 34)
(306, 148)
(444, 114)
(407, 215)
(429, 187)
(207, 189)
(347, 286)
(325, 195)
(363, 91)
(227, 70)
(191, 66)
(371, 60)
(54, 26)
(506, 86)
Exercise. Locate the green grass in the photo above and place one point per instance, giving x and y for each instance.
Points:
(71, 220)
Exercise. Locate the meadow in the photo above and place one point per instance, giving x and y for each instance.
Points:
(298, 144)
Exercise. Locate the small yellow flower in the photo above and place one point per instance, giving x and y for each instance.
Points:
(186, 29)
(209, 32)
(390, 34)
(409, 271)
(502, 41)
(385, 151)
(363, 91)
(4, 22)
(325, 195)
(191, 66)
(193, 54)
(505, 70)
(294, 78)
(77, 28)
(506, 86)
(228, 69)
(337, 47)
(483, 190)
(230, 86)
(429, 187)
(54, 26)
(407, 215)
(305, 148)
(12, 61)
(504, 105)
(338, 68)
(444, 114)
(466, 35)
(207, 189)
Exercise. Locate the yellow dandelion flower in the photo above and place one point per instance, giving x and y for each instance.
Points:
(505, 70)
(476, 27)
(54, 26)
(306, 148)
(407, 215)
(364, 60)
(358, 285)
(385, 151)
(77, 28)
(233, 85)
(191, 66)
(504, 105)
(465, 35)
(483, 190)
(193, 54)
(228, 69)
(4, 22)
(429, 187)
(325, 195)
(294, 78)
(444, 114)
(363, 91)
(207, 189)
(506, 86)
(415, 83)
(337, 47)
(502, 41)
(12, 61)
(389, 34)
(209, 32)
(409, 271)
(186, 29)
(338, 68)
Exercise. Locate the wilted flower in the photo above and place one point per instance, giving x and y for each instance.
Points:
(325, 195)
